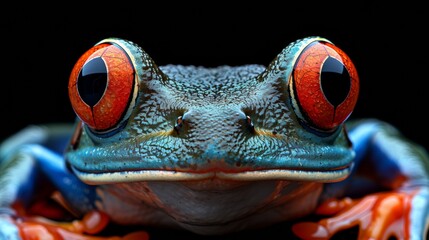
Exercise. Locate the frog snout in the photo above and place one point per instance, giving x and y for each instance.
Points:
(213, 138)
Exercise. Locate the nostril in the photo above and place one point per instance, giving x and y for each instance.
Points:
(250, 125)
(182, 123)
(178, 125)
(246, 115)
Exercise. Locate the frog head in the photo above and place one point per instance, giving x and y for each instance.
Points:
(141, 122)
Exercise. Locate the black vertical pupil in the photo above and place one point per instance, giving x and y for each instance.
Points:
(92, 81)
(335, 81)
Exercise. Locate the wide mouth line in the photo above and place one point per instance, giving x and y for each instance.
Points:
(332, 175)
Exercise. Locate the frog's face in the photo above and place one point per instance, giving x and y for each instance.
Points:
(139, 122)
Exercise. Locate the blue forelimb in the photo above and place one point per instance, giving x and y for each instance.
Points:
(35, 153)
(387, 161)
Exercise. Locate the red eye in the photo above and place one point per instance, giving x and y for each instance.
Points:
(101, 86)
(325, 85)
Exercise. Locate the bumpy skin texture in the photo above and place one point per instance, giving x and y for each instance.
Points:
(219, 150)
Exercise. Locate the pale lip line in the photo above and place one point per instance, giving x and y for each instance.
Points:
(254, 175)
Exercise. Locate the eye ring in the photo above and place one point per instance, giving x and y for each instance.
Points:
(324, 86)
(103, 87)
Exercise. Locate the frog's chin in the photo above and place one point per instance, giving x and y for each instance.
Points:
(333, 175)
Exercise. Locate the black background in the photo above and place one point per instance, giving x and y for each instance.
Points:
(40, 44)
(386, 43)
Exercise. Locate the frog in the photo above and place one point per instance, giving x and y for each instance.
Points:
(214, 151)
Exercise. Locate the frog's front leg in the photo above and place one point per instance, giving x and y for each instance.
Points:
(27, 158)
(389, 186)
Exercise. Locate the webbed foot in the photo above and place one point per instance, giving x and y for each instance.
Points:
(26, 227)
(401, 215)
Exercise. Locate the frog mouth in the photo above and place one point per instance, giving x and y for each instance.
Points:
(96, 178)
